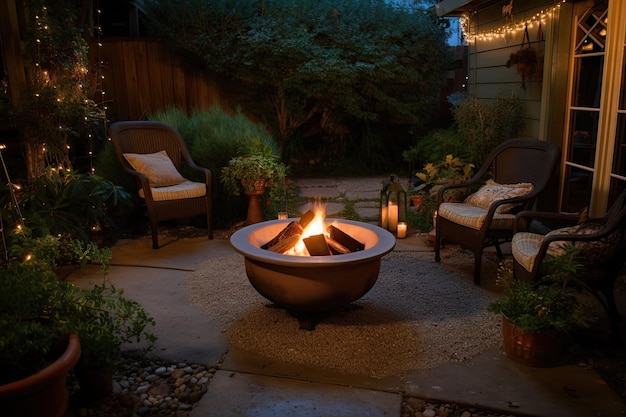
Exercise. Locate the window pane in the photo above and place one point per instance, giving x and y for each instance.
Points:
(577, 189)
(584, 126)
(588, 85)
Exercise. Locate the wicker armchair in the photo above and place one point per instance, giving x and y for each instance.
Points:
(520, 169)
(153, 153)
(602, 243)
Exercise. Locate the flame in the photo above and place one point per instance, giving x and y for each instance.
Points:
(317, 226)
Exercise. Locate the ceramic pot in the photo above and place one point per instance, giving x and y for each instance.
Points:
(541, 349)
(43, 394)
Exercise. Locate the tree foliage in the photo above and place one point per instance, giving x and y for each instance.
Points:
(346, 61)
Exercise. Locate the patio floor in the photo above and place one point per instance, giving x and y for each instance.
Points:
(248, 385)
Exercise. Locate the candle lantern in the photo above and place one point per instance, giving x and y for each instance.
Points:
(392, 205)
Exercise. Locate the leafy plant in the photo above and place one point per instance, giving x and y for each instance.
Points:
(450, 169)
(37, 309)
(484, 125)
(260, 168)
(67, 202)
(553, 303)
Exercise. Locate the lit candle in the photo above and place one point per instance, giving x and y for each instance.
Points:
(401, 230)
(384, 218)
(282, 215)
(393, 216)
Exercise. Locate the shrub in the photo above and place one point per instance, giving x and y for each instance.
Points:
(484, 125)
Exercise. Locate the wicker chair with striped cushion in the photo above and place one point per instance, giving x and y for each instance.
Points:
(510, 180)
(601, 241)
(154, 152)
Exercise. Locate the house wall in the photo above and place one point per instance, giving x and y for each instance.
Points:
(488, 73)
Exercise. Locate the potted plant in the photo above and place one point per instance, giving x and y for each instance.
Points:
(37, 348)
(37, 310)
(537, 317)
(450, 169)
(254, 173)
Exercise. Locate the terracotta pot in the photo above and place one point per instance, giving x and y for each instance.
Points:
(539, 349)
(43, 394)
(416, 200)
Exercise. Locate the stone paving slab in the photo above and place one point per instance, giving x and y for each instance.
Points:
(233, 394)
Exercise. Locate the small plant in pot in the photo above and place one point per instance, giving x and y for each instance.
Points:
(537, 316)
(258, 168)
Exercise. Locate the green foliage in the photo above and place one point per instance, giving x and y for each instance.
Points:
(56, 250)
(421, 217)
(214, 136)
(451, 169)
(485, 125)
(259, 168)
(435, 145)
(57, 108)
(37, 309)
(63, 202)
(353, 60)
(553, 303)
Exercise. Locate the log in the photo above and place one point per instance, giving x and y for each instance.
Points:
(306, 218)
(336, 248)
(293, 228)
(344, 239)
(316, 245)
(285, 244)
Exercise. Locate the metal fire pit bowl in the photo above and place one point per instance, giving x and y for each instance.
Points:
(312, 283)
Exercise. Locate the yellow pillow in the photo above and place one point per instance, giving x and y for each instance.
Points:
(158, 167)
(492, 191)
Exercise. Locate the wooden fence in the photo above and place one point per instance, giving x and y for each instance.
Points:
(143, 76)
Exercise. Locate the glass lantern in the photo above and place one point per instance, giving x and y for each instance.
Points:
(393, 205)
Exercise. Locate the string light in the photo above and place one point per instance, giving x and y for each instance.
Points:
(509, 29)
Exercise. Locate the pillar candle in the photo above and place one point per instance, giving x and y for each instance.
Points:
(393, 216)
(384, 218)
(401, 230)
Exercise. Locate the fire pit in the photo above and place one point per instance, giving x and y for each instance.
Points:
(312, 284)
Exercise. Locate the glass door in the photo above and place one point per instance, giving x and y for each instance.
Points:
(581, 142)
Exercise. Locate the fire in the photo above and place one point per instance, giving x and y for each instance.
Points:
(317, 226)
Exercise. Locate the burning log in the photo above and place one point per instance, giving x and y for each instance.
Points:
(344, 239)
(289, 235)
(316, 245)
(337, 243)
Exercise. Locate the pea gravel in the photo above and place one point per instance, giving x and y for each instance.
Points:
(419, 315)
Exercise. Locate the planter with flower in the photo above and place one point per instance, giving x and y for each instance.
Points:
(253, 174)
(537, 317)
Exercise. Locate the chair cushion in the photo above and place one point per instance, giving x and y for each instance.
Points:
(594, 251)
(473, 217)
(525, 247)
(492, 191)
(158, 167)
(187, 189)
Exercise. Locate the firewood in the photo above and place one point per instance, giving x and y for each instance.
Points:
(316, 245)
(345, 239)
(293, 228)
(306, 218)
(336, 247)
(285, 244)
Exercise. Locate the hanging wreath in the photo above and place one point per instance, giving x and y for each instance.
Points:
(525, 59)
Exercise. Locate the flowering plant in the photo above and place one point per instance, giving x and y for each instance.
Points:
(553, 303)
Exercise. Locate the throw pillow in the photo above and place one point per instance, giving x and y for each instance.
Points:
(158, 167)
(492, 191)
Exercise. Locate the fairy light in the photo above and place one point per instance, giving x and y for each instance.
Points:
(507, 30)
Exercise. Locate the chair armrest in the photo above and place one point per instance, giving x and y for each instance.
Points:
(522, 219)
(447, 187)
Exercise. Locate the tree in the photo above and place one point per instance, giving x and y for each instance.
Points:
(339, 61)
